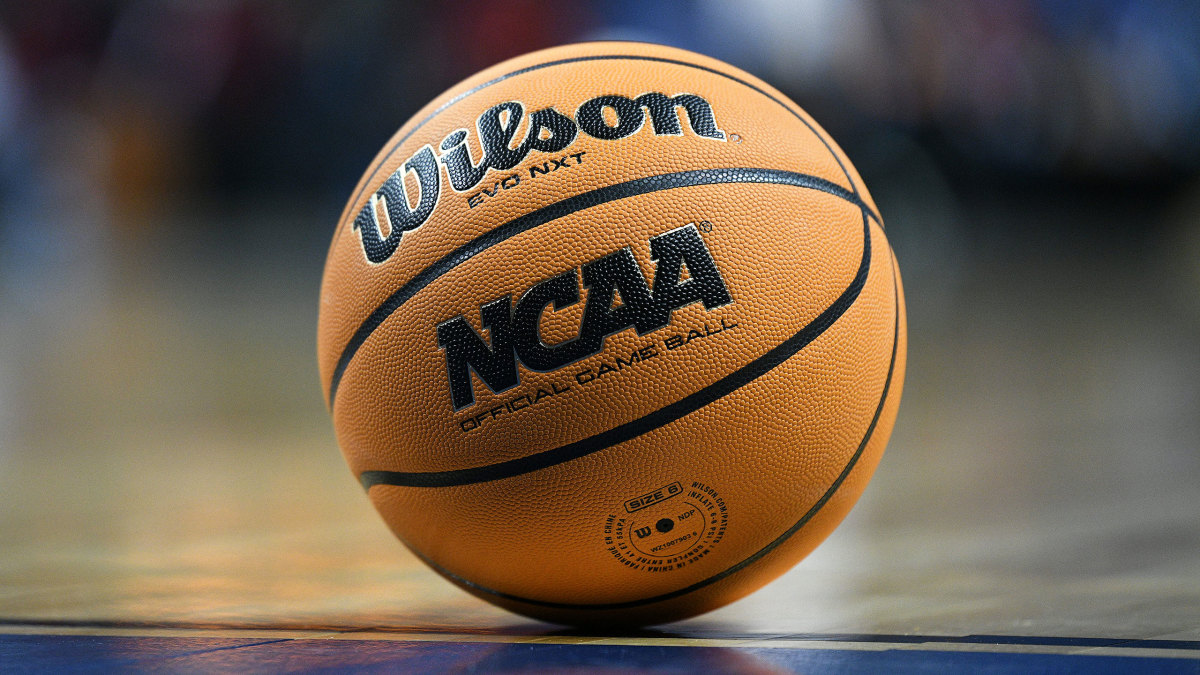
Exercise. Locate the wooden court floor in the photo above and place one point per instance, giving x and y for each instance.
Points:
(172, 498)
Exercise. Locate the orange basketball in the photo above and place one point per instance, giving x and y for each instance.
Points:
(611, 333)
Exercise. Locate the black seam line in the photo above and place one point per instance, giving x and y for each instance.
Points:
(565, 207)
(809, 515)
(609, 57)
(343, 360)
(645, 424)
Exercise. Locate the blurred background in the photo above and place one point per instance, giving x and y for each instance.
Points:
(171, 173)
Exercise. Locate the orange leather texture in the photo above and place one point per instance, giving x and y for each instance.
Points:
(799, 376)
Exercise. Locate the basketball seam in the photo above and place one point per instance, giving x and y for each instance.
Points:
(343, 359)
(758, 555)
(598, 57)
(563, 208)
(649, 422)
(852, 197)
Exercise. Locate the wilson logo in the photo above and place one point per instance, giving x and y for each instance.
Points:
(393, 210)
(514, 330)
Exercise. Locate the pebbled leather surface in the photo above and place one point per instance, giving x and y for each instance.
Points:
(779, 460)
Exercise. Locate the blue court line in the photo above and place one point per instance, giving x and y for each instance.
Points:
(43, 653)
(1032, 640)
(893, 638)
(77, 653)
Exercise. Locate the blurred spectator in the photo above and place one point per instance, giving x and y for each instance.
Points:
(242, 100)
(125, 122)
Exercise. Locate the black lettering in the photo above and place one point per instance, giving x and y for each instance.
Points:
(390, 205)
(604, 278)
(590, 117)
(549, 166)
(466, 351)
(515, 333)
(456, 157)
(548, 130)
(497, 129)
(673, 250)
(563, 291)
(559, 129)
(664, 116)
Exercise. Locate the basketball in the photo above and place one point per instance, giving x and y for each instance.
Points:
(611, 333)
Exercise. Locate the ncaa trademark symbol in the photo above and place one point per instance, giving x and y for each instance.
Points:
(703, 225)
